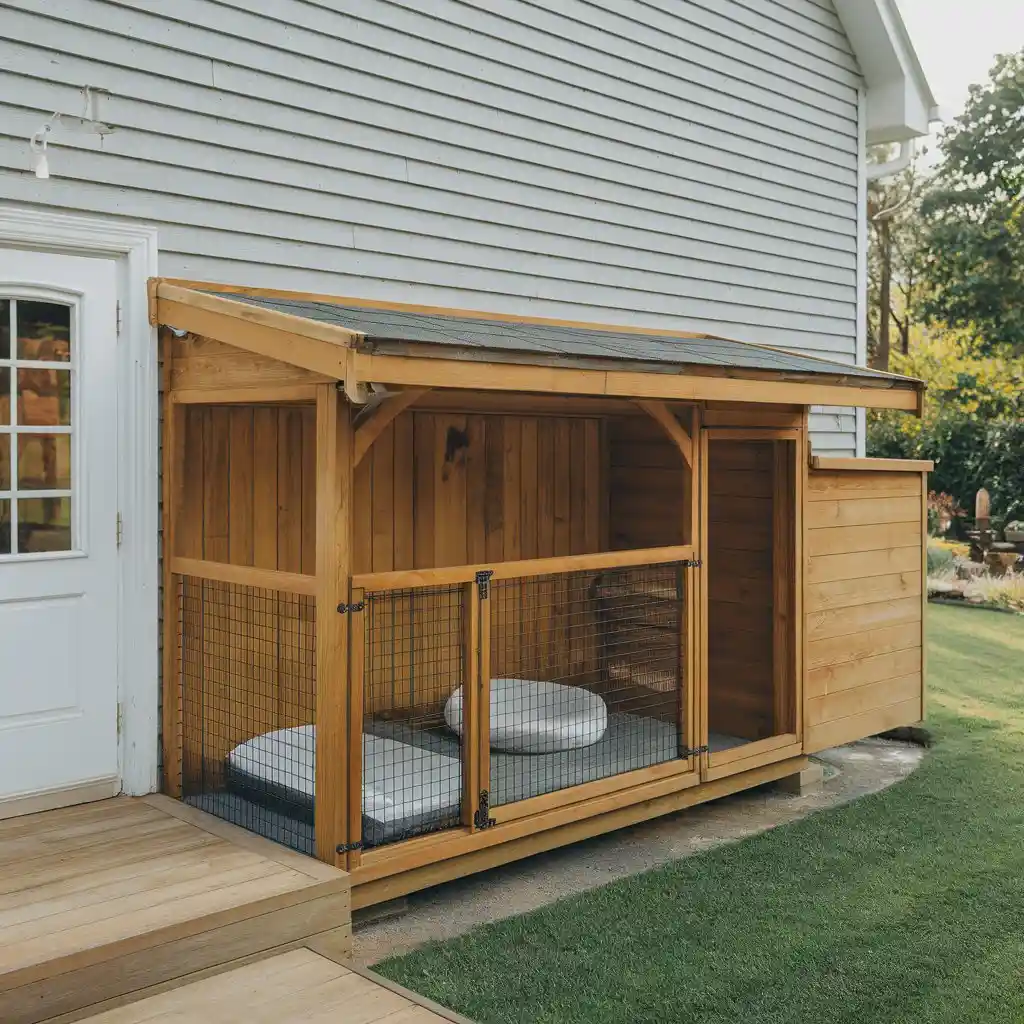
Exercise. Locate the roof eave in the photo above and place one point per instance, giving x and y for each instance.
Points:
(900, 103)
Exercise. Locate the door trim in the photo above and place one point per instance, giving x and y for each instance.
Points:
(134, 247)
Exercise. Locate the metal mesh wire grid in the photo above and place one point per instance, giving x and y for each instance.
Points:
(413, 662)
(248, 700)
(587, 677)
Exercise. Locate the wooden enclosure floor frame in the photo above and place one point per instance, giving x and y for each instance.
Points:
(104, 899)
(299, 985)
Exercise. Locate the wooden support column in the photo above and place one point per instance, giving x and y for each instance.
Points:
(483, 708)
(173, 484)
(783, 576)
(356, 689)
(701, 534)
(333, 571)
(471, 736)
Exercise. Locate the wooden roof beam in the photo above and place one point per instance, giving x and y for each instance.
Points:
(298, 341)
(505, 376)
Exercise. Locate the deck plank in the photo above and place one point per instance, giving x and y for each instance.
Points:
(299, 985)
(103, 900)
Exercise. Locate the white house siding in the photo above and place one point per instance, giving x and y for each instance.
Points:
(682, 163)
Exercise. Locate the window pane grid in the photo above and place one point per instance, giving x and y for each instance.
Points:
(37, 357)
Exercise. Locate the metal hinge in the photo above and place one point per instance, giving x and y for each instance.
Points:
(120, 717)
(120, 529)
(348, 847)
(694, 751)
(358, 607)
(482, 818)
(483, 582)
(119, 318)
(692, 563)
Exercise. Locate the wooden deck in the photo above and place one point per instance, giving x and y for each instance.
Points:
(299, 985)
(106, 899)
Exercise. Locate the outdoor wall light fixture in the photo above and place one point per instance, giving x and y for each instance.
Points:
(85, 123)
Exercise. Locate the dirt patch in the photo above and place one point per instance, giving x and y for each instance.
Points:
(455, 908)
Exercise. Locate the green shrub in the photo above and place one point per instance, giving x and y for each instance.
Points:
(973, 427)
(938, 558)
(968, 454)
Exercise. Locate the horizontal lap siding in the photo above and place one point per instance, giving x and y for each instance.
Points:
(680, 163)
(863, 605)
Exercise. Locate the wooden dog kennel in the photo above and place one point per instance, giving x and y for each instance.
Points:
(443, 589)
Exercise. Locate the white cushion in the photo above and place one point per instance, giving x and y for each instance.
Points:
(533, 717)
(400, 781)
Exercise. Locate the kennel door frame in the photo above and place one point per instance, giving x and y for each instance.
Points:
(787, 570)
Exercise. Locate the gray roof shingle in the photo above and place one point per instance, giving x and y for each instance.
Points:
(468, 332)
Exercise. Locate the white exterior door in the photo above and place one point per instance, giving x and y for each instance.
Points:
(58, 539)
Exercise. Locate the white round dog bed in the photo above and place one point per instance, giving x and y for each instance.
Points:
(533, 717)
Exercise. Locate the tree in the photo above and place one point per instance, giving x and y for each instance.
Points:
(974, 215)
(895, 258)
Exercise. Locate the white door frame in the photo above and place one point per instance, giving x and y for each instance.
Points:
(134, 247)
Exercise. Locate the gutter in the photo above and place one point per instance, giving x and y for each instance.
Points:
(877, 172)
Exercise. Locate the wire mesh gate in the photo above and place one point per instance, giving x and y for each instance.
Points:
(588, 678)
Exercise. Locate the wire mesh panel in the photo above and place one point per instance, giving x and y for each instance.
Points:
(413, 671)
(248, 700)
(587, 677)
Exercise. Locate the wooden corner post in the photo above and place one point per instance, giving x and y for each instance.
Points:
(173, 488)
(333, 575)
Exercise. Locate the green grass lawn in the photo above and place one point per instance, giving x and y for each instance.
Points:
(904, 906)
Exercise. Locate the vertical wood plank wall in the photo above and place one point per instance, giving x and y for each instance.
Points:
(248, 498)
(448, 489)
(250, 486)
(863, 605)
(740, 580)
(649, 505)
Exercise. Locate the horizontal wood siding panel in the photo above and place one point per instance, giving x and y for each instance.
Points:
(857, 565)
(863, 511)
(836, 678)
(869, 723)
(858, 699)
(863, 605)
(848, 539)
(830, 486)
(860, 618)
(851, 648)
(684, 163)
(852, 593)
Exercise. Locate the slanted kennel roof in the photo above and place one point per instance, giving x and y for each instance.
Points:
(386, 329)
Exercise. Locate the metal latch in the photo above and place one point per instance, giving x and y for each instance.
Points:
(348, 847)
(483, 582)
(692, 563)
(358, 607)
(694, 751)
(482, 818)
